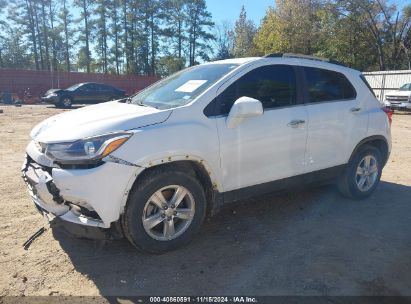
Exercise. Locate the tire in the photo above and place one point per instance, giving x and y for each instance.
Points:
(356, 182)
(65, 102)
(140, 206)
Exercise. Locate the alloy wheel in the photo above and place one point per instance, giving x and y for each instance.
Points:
(367, 173)
(67, 102)
(168, 213)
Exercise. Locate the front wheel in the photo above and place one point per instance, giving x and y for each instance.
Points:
(362, 175)
(65, 102)
(164, 211)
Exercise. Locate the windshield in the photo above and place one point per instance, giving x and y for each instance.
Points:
(74, 87)
(183, 87)
(406, 87)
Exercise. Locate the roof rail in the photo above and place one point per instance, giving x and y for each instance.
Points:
(300, 56)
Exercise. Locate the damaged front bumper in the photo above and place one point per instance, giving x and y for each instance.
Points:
(93, 197)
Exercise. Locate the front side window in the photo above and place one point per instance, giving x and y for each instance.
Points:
(87, 87)
(325, 85)
(274, 86)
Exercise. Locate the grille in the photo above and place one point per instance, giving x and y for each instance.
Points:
(397, 98)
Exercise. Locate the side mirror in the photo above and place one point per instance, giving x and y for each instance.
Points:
(243, 108)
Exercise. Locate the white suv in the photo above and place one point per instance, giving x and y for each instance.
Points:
(153, 165)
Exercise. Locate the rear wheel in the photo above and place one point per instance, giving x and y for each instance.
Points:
(362, 174)
(164, 211)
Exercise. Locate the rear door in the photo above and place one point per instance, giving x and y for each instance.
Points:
(269, 147)
(337, 118)
(105, 92)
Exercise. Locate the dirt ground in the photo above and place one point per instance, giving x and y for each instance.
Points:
(308, 243)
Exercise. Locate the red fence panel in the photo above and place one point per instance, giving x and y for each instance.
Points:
(38, 82)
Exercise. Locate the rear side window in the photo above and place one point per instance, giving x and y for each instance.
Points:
(274, 86)
(325, 85)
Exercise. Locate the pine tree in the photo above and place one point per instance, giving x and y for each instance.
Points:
(66, 19)
(115, 32)
(176, 20)
(102, 33)
(21, 12)
(86, 7)
(199, 23)
(244, 31)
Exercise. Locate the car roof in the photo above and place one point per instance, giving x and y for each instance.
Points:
(239, 61)
(98, 83)
(293, 59)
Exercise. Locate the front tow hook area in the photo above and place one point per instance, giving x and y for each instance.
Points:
(44, 191)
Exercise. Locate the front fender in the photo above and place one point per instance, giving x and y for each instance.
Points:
(166, 143)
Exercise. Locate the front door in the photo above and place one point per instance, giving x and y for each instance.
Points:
(86, 93)
(268, 147)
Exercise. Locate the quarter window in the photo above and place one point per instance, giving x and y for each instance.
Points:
(274, 86)
(325, 85)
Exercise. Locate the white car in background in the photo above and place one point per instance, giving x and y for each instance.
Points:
(152, 166)
(399, 99)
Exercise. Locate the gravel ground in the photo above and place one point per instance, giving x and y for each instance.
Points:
(312, 242)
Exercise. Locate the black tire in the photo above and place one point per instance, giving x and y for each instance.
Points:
(65, 102)
(132, 219)
(347, 182)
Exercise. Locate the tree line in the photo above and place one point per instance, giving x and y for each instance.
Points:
(159, 37)
(107, 36)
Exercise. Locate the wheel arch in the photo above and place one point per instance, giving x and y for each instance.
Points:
(377, 141)
(65, 95)
(195, 168)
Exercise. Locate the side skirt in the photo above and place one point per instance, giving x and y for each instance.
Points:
(299, 181)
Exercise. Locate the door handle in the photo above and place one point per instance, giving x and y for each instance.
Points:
(296, 123)
(355, 109)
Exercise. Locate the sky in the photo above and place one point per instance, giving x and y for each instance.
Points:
(230, 9)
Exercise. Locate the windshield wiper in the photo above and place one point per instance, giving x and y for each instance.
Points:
(125, 100)
(140, 103)
(129, 100)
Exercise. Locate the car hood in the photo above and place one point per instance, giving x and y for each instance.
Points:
(97, 120)
(53, 91)
(399, 93)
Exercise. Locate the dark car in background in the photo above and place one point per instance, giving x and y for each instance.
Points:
(89, 92)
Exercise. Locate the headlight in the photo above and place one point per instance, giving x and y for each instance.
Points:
(87, 150)
(52, 95)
